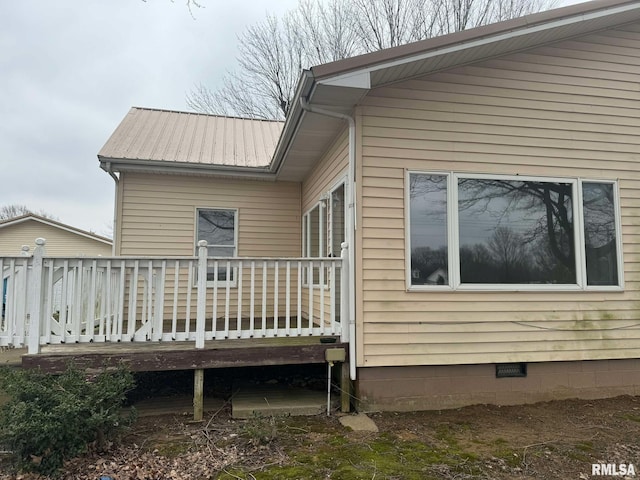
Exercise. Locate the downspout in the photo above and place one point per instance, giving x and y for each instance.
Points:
(115, 204)
(110, 172)
(351, 223)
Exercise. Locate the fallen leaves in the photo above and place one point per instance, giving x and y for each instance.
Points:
(211, 450)
(132, 464)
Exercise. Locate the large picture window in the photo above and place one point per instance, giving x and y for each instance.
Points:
(219, 228)
(516, 232)
(512, 232)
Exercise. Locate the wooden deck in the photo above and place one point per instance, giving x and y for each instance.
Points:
(163, 356)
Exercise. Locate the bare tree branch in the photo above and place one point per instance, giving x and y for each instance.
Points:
(17, 210)
(274, 51)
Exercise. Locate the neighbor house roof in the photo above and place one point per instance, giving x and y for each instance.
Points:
(172, 137)
(155, 139)
(54, 223)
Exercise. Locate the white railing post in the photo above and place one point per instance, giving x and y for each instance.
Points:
(202, 293)
(344, 292)
(34, 297)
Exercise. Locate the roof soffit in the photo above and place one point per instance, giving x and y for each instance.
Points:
(423, 57)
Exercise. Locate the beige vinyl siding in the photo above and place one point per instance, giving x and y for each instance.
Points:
(566, 110)
(59, 242)
(331, 168)
(159, 214)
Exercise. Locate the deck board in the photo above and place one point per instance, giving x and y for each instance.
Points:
(163, 356)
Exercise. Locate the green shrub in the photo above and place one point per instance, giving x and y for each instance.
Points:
(50, 418)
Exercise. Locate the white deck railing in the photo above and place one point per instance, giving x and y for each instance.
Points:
(47, 300)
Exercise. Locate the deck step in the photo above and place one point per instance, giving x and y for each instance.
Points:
(266, 400)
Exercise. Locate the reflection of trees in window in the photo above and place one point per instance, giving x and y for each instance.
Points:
(526, 226)
(600, 233)
(509, 252)
(514, 231)
(217, 227)
(428, 212)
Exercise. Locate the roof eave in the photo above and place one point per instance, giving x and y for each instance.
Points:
(339, 71)
(157, 166)
(294, 118)
(357, 73)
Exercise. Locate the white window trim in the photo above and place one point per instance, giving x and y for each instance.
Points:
(453, 237)
(326, 237)
(306, 235)
(340, 183)
(407, 237)
(236, 214)
(619, 244)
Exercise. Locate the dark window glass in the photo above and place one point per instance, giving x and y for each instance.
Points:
(516, 232)
(314, 234)
(337, 221)
(217, 227)
(428, 219)
(315, 225)
(600, 233)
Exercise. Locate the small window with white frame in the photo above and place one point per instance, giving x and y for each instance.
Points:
(219, 228)
(512, 232)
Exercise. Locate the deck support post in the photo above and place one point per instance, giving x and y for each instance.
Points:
(345, 388)
(198, 394)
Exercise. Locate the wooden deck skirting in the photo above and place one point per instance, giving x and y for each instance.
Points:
(165, 356)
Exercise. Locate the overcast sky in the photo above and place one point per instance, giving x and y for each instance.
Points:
(69, 72)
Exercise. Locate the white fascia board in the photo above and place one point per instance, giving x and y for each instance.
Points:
(351, 78)
(182, 168)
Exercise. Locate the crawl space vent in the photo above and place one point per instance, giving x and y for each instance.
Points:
(506, 370)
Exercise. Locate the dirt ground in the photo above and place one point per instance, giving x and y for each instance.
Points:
(554, 440)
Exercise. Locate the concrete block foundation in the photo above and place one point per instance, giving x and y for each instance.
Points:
(436, 387)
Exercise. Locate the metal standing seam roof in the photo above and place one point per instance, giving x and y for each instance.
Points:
(192, 138)
(207, 144)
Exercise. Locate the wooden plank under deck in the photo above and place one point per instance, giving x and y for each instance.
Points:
(162, 356)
